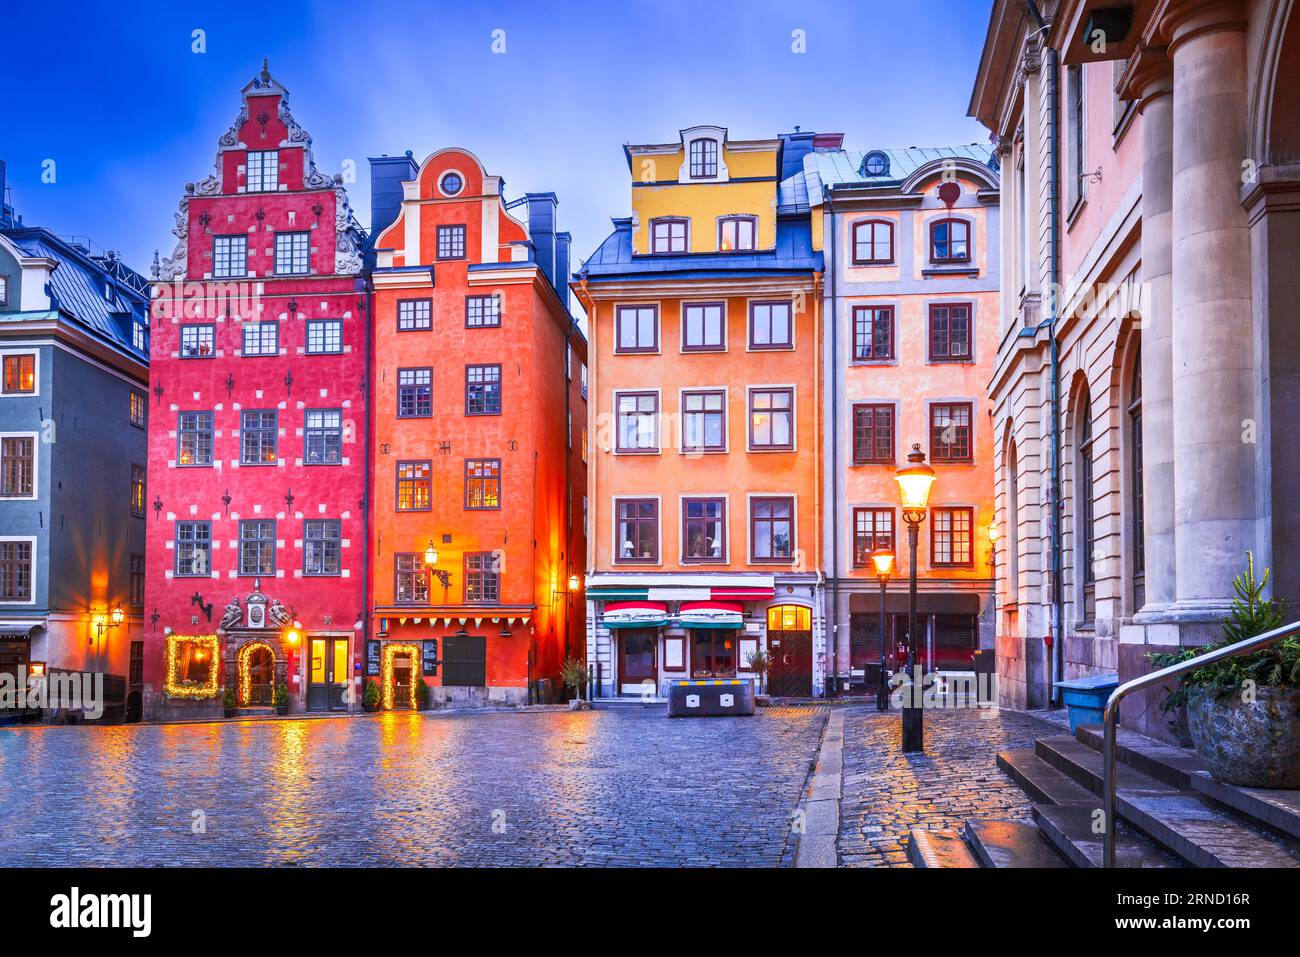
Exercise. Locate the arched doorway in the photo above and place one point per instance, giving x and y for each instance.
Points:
(399, 674)
(789, 647)
(256, 675)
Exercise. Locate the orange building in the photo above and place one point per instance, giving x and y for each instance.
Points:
(477, 408)
(704, 312)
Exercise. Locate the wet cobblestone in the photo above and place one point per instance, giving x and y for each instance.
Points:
(540, 789)
(887, 793)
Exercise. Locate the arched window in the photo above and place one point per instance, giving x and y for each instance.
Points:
(1136, 505)
(950, 241)
(1013, 525)
(873, 242)
(1083, 498)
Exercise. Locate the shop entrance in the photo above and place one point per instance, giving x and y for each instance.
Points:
(789, 647)
(327, 675)
(637, 659)
(256, 675)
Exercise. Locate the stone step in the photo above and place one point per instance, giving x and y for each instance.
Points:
(1185, 822)
(1043, 783)
(1278, 809)
(1069, 828)
(1008, 844)
(935, 849)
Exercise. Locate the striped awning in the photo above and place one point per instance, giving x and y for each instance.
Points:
(711, 614)
(635, 614)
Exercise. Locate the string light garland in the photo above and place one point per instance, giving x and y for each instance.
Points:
(245, 673)
(391, 651)
(209, 644)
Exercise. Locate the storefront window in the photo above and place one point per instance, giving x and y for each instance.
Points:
(789, 618)
(192, 666)
(713, 654)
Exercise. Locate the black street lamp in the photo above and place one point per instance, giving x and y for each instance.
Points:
(914, 483)
(883, 559)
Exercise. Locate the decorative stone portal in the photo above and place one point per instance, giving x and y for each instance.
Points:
(394, 675)
(256, 669)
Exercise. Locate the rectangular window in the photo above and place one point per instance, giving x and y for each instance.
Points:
(771, 419)
(483, 390)
(18, 466)
(198, 342)
(292, 254)
(414, 393)
(1075, 136)
(637, 329)
(737, 234)
(257, 547)
(138, 409)
(638, 421)
(873, 434)
(950, 333)
(771, 529)
(139, 337)
(482, 483)
(137, 490)
(263, 171)
(704, 530)
(637, 524)
(951, 541)
(229, 257)
(16, 571)
(771, 325)
(872, 528)
(873, 332)
(950, 241)
(137, 581)
(324, 336)
(194, 433)
(321, 541)
(451, 242)
(704, 421)
(668, 236)
(704, 159)
(193, 549)
(482, 312)
(950, 432)
(4, 290)
(259, 435)
(414, 314)
(412, 583)
(482, 578)
(414, 486)
(323, 437)
(261, 339)
(703, 327)
(873, 243)
(20, 373)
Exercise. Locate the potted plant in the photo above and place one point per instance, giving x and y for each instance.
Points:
(575, 674)
(370, 696)
(759, 662)
(1243, 713)
(421, 695)
(229, 703)
(281, 699)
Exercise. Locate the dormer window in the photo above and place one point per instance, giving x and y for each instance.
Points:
(737, 233)
(4, 290)
(875, 163)
(451, 184)
(950, 241)
(704, 158)
(263, 171)
(668, 235)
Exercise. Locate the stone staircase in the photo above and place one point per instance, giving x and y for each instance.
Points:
(1172, 813)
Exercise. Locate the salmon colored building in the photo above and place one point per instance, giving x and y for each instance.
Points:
(911, 239)
(704, 313)
(477, 414)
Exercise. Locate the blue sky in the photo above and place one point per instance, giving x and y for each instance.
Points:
(114, 95)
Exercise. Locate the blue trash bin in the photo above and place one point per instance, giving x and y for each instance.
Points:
(1086, 698)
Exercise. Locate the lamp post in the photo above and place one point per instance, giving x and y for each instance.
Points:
(914, 483)
(883, 559)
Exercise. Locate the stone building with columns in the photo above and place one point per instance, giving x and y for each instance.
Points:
(1150, 161)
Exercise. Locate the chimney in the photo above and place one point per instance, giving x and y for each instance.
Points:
(387, 173)
(541, 230)
(7, 218)
(562, 241)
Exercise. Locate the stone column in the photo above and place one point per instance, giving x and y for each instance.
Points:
(1153, 82)
(1214, 469)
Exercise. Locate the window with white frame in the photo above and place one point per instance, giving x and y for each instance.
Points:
(324, 336)
(261, 338)
(198, 341)
(16, 559)
(292, 254)
(323, 438)
(229, 257)
(263, 171)
(18, 466)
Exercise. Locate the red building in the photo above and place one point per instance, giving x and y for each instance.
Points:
(479, 413)
(257, 458)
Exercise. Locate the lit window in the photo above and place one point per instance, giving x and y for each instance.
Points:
(137, 490)
(482, 484)
(737, 233)
(259, 437)
(138, 409)
(414, 486)
(411, 586)
(194, 435)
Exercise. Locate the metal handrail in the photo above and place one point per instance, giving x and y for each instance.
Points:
(1110, 719)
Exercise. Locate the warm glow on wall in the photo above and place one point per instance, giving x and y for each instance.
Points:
(391, 651)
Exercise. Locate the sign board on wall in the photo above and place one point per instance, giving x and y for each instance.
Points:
(372, 657)
(429, 657)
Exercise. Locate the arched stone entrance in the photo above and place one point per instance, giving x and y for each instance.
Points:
(399, 674)
(256, 669)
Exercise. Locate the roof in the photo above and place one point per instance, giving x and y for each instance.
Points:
(98, 293)
(613, 259)
(826, 169)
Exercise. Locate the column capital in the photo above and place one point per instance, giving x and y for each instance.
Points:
(1184, 19)
(1148, 75)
